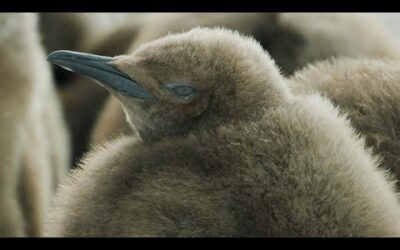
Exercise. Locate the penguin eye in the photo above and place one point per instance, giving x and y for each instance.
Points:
(184, 91)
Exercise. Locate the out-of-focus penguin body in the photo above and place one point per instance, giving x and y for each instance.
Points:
(34, 150)
(292, 39)
(222, 149)
(368, 91)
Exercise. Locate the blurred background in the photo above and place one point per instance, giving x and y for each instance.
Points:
(392, 20)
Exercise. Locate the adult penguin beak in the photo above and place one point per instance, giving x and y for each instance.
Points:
(98, 68)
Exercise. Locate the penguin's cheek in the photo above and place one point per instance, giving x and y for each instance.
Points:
(195, 109)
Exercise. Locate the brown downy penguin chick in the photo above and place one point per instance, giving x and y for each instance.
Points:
(79, 93)
(34, 148)
(224, 149)
(369, 92)
(292, 39)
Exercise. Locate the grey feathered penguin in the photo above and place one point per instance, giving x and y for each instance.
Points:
(292, 39)
(34, 150)
(224, 150)
(369, 92)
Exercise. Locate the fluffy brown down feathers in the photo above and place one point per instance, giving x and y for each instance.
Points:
(287, 165)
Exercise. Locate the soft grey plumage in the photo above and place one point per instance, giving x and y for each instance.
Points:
(224, 149)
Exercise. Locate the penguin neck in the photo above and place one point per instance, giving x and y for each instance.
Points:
(152, 136)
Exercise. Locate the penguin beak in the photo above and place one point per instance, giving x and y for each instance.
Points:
(97, 67)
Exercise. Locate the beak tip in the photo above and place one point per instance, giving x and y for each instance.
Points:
(58, 54)
(50, 58)
(55, 55)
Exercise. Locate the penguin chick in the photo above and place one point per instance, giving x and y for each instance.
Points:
(33, 141)
(224, 150)
(292, 39)
(369, 92)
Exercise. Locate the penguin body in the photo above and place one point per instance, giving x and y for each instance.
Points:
(292, 39)
(368, 92)
(34, 149)
(222, 149)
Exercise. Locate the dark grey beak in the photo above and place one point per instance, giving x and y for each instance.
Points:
(97, 67)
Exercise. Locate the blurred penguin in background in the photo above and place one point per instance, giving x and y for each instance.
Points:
(34, 145)
(368, 92)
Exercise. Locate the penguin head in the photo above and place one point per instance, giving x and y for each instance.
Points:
(186, 82)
